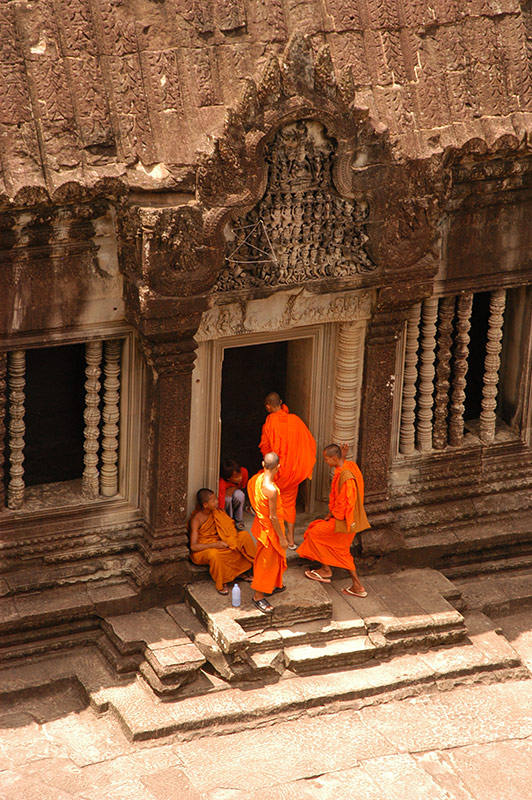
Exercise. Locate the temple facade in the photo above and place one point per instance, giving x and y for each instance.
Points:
(203, 202)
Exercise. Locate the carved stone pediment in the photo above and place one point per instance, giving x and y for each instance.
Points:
(302, 229)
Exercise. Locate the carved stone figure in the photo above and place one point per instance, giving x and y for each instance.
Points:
(301, 230)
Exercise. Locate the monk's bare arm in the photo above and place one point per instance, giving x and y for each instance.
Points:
(271, 494)
(195, 546)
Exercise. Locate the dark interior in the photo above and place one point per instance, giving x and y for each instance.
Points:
(248, 375)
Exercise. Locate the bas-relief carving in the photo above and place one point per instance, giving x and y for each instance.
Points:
(281, 311)
(301, 230)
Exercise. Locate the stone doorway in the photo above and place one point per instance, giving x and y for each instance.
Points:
(322, 337)
(249, 373)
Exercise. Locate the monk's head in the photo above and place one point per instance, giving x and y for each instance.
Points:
(207, 500)
(272, 402)
(332, 455)
(271, 463)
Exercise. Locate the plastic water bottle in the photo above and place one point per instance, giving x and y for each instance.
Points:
(235, 595)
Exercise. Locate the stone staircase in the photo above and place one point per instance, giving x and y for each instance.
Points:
(315, 627)
(200, 664)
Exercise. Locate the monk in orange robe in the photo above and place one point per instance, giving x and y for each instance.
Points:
(268, 529)
(288, 436)
(329, 540)
(214, 540)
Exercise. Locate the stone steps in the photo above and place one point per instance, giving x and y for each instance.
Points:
(508, 592)
(167, 658)
(483, 656)
(348, 631)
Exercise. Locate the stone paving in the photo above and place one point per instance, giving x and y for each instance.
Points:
(472, 743)
(402, 728)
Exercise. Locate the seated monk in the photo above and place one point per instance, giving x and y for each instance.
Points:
(215, 541)
(328, 540)
(288, 436)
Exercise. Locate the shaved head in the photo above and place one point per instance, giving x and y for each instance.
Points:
(271, 461)
(203, 496)
(273, 399)
(333, 451)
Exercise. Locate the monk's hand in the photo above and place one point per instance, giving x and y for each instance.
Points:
(222, 546)
(283, 543)
(344, 448)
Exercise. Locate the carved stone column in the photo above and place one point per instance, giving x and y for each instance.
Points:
(3, 400)
(348, 378)
(429, 316)
(110, 418)
(90, 479)
(17, 381)
(384, 334)
(461, 353)
(491, 366)
(443, 372)
(407, 435)
(165, 468)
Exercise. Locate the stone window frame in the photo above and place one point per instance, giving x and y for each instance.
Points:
(131, 402)
(411, 343)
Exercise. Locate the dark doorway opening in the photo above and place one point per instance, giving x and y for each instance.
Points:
(55, 398)
(248, 374)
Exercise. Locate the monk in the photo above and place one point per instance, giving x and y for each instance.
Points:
(268, 529)
(288, 436)
(215, 541)
(328, 540)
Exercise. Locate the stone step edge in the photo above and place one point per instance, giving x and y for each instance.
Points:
(296, 695)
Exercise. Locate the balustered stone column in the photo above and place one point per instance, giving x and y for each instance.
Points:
(443, 373)
(429, 316)
(3, 400)
(16, 380)
(407, 434)
(110, 418)
(461, 351)
(165, 468)
(348, 379)
(491, 366)
(90, 483)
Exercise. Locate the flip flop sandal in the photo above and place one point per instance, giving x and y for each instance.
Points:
(315, 576)
(224, 592)
(277, 590)
(354, 594)
(292, 546)
(262, 605)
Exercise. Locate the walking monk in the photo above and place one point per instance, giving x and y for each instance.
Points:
(268, 529)
(215, 541)
(329, 540)
(288, 436)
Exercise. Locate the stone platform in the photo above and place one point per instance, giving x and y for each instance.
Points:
(187, 667)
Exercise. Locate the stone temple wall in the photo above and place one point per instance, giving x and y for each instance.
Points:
(138, 139)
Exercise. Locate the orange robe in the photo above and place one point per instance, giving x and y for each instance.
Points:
(288, 436)
(329, 541)
(224, 565)
(270, 561)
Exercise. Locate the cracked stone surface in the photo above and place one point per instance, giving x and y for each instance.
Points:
(470, 743)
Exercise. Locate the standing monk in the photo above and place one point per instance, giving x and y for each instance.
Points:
(215, 541)
(288, 436)
(329, 540)
(268, 529)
